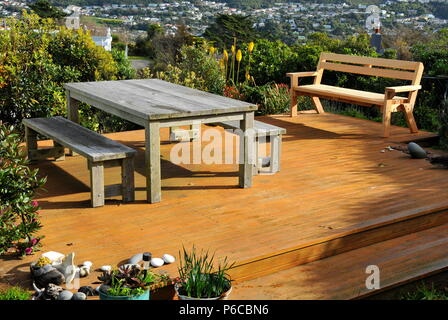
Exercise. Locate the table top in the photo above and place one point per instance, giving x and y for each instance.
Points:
(154, 99)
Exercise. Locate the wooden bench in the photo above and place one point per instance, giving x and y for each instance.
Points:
(101, 152)
(263, 131)
(388, 101)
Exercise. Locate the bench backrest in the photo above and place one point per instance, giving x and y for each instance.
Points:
(377, 67)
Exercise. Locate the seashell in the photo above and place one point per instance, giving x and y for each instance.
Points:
(87, 264)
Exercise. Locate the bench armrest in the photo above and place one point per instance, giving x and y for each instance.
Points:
(296, 75)
(403, 89)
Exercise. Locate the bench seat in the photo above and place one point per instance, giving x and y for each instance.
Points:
(87, 143)
(99, 151)
(345, 94)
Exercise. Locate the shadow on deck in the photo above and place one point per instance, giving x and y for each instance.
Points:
(336, 192)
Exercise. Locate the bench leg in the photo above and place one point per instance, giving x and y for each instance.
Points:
(127, 179)
(59, 151)
(412, 125)
(317, 105)
(256, 166)
(387, 110)
(72, 113)
(97, 184)
(152, 162)
(31, 142)
(293, 110)
(275, 153)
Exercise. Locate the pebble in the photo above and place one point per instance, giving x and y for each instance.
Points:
(65, 295)
(157, 262)
(79, 296)
(106, 268)
(416, 151)
(167, 258)
(136, 258)
(87, 290)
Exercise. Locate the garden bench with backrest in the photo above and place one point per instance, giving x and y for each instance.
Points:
(101, 152)
(392, 100)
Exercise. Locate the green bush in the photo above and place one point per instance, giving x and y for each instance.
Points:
(37, 57)
(15, 293)
(19, 219)
(271, 98)
(197, 69)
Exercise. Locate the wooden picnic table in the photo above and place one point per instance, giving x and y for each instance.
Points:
(155, 104)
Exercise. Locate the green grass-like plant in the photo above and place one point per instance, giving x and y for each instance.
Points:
(15, 293)
(198, 276)
(426, 292)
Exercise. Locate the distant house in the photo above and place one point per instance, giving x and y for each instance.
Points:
(105, 42)
(72, 20)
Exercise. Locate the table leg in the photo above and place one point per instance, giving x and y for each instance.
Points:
(152, 159)
(72, 113)
(247, 149)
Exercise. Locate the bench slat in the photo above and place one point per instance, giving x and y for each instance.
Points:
(348, 94)
(261, 128)
(90, 144)
(380, 62)
(375, 72)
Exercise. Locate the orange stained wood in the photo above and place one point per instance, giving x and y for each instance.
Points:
(334, 180)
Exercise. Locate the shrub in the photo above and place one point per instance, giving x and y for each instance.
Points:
(15, 293)
(37, 57)
(271, 98)
(19, 219)
(197, 69)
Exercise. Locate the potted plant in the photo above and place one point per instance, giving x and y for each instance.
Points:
(127, 283)
(199, 279)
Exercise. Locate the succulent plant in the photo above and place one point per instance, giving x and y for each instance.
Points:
(129, 280)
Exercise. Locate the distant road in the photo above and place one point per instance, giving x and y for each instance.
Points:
(138, 64)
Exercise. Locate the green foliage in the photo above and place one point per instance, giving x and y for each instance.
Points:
(124, 67)
(37, 57)
(443, 129)
(129, 281)
(228, 27)
(434, 54)
(19, 217)
(198, 277)
(271, 98)
(425, 292)
(15, 293)
(270, 61)
(44, 9)
(197, 69)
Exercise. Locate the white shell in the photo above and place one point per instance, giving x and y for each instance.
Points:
(167, 258)
(87, 264)
(157, 262)
(55, 257)
(106, 268)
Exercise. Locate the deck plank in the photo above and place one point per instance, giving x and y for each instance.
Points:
(331, 183)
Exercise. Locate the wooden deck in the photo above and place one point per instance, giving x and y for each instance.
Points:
(336, 191)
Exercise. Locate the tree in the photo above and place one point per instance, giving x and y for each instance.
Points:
(44, 9)
(35, 62)
(228, 27)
